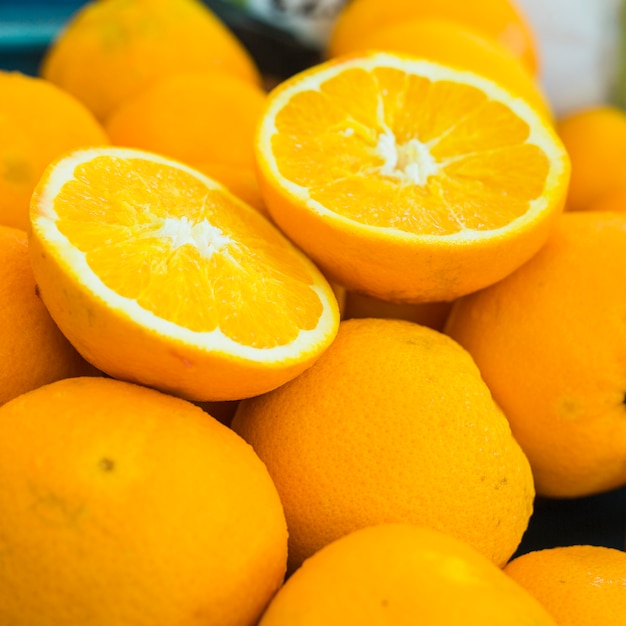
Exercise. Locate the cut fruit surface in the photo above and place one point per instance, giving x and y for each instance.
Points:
(160, 276)
(407, 179)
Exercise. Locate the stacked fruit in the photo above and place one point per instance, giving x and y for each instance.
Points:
(305, 354)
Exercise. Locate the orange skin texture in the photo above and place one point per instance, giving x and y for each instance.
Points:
(392, 423)
(457, 44)
(497, 19)
(33, 352)
(402, 575)
(127, 507)
(595, 140)
(38, 123)
(579, 585)
(109, 51)
(549, 342)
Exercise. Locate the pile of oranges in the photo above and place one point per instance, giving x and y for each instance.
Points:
(305, 353)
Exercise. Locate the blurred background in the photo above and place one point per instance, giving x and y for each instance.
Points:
(580, 40)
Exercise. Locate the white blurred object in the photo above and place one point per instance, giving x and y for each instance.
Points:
(579, 49)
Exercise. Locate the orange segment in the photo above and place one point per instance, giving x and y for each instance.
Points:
(462, 46)
(406, 159)
(170, 259)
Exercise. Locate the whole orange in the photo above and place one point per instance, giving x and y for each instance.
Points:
(33, 352)
(391, 424)
(550, 342)
(611, 201)
(112, 49)
(38, 123)
(123, 506)
(501, 20)
(401, 575)
(580, 585)
(595, 139)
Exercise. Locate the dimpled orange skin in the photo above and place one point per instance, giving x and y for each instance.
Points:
(38, 123)
(33, 352)
(580, 585)
(110, 50)
(549, 341)
(595, 139)
(392, 423)
(499, 19)
(401, 575)
(122, 506)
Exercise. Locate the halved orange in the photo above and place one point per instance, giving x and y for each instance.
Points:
(158, 275)
(409, 180)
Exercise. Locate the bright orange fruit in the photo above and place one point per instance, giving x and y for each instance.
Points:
(33, 351)
(112, 49)
(501, 20)
(204, 119)
(460, 45)
(580, 585)
(595, 139)
(392, 423)
(159, 275)
(38, 123)
(550, 342)
(408, 180)
(401, 575)
(128, 507)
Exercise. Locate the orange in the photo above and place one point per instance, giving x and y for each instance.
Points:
(500, 20)
(205, 119)
(431, 314)
(123, 506)
(38, 122)
(391, 424)
(595, 139)
(239, 179)
(550, 341)
(159, 275)
(611, 201)
(401, 575)
(33, 352)
(579, 585)
(457, 44)
(110, 50)
(408, 180)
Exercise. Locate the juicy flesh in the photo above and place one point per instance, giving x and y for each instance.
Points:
(391, 149)
(187, 253)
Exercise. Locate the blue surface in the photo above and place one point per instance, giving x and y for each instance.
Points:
(26, 29)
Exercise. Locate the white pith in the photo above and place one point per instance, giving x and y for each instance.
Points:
(181, 231)
(410, 162)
